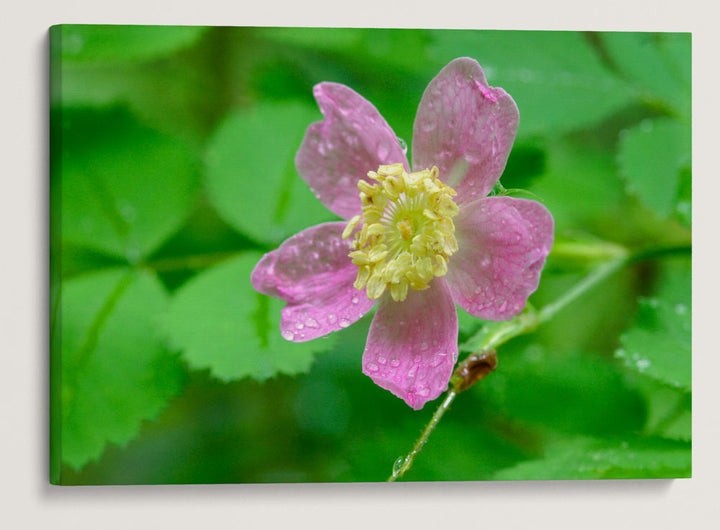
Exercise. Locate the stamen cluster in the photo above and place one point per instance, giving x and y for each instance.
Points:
(407, 233)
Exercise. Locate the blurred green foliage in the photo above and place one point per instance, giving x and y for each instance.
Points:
(172, 172)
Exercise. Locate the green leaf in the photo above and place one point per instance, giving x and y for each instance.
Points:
(659, 343)
(669, 411)
(652, 156)
(125, 188)
(325, 39)
(556, 78)
(564, 392)
(251, 176)
(657, 65)
(115, 371)
(580, 185)
(222, 324)
(122, 44)
(585, 458)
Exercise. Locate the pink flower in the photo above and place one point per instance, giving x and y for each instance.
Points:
(416, 242)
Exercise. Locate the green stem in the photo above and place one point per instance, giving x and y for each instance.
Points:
(402, 464)
(596, 276)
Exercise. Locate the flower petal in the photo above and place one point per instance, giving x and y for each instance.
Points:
(313, 273)
(337, 152)
(465, 128)
(502, 246)
(413, 345)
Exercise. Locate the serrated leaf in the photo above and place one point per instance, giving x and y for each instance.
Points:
(652, 156)
(115, 371)
(251, 175)
(584, 458)
(125, 188)
(669, 411)
(659, 345)
(123, 43)
(222, 324)
(657, 64)
(556, 78)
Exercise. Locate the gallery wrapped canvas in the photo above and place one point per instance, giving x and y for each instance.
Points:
(352, 255)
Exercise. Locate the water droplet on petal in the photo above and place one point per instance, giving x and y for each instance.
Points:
(394, 363)
(403, 145)
(423, 391)
(288, 335)
(332, 318)
(354, 300)
(312, 323)
(381, 359)
(372, 367)
(382, 152)
(344, 322)
(300, 325)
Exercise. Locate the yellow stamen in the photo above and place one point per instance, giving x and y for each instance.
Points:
(407, 234)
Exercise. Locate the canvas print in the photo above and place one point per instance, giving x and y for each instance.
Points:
(365, 255)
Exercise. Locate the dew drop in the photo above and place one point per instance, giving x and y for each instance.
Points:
(394, 363)
(680, 309)
(398, 465)
(332, 318)
(299, 325)
(312, 323)
(381, 359)
(438, 360)
(642, 364)
(372, 367)
(423, 391)
(424, 346)
(133, 255)
(288, 335)
(382, 151)
(127, 210)
(344, 322)
(403, 145)
(354, 299)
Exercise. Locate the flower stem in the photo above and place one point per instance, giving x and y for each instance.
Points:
(596, 276)
(403, 463)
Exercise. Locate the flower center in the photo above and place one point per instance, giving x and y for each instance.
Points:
(407, 233)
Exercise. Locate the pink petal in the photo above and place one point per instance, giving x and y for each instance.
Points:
(337, 152)
(412, 345)
(502, 246)
(464, 127)
(313, 273)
